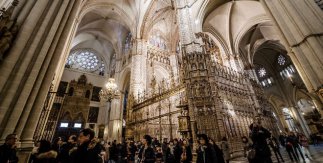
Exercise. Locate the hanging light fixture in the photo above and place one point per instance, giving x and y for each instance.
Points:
(110, 91)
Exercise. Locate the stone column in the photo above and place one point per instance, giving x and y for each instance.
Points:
(301, 121)
(300, 24)
(138, 68)
(64, 20)
(281, 118)
(115, 120)
(103, 118)
(30, 66)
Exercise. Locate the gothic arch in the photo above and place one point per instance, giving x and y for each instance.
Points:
(247, 26)
(124, 78)
(161, 72)
(216, 37)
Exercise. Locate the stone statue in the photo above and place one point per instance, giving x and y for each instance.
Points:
(153, 82)
(8, 28)
(163, 84)
(172, 81)
(5, 42)
(4, 18)
(197, 90)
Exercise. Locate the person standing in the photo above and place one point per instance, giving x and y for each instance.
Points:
(282, 139)
(131, 149)
(275, 146)
(259, 136)
(246, 147)
(225, 149)
(295, 143)
(46, 154)
(147, 154)
(218, 151)
(64, 156)
(177, 151)
(113, 152)
(164, 148)
(314, 139)
(187, 152)
(205, 151)
(170, 158)
(289, 149)
(304, 142)
(8, 150)
(88, 149)
(159, 154)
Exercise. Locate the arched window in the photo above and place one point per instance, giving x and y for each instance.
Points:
(85, 60)
(262, 72)
(281, 60)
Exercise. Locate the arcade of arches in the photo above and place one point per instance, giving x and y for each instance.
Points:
(182, 67)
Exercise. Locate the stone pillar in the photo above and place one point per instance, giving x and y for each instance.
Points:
(103, 118)
(30, 66)
(115, 120)
(318, 105)
(281, 118)
(185, 25)
(300, 24)
(301, 121)
(138, 68)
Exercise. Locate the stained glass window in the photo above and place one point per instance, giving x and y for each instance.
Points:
(262, 72)
(85, 60)
(281, 60)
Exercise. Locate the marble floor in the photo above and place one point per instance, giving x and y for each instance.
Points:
(316, 153)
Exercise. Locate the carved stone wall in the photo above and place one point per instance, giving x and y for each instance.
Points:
(76, 107)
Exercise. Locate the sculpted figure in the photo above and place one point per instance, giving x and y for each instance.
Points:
(5, 42)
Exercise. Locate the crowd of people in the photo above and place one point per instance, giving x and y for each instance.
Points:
(258, 150)
(88, 149)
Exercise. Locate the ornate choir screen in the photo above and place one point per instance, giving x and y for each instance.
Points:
(221, 99)
(156, 114)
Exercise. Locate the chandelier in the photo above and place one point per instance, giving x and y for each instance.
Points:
(110, 91)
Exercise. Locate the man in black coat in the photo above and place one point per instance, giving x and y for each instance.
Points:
(8, 150)
(64, 156)
(295, 144)
(259, 136)
(88, 150)
(147, 153)
(164, 148)
(113, 151)
(205, 152)
(177, 151)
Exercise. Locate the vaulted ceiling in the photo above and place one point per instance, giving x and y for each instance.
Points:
(241, 26)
